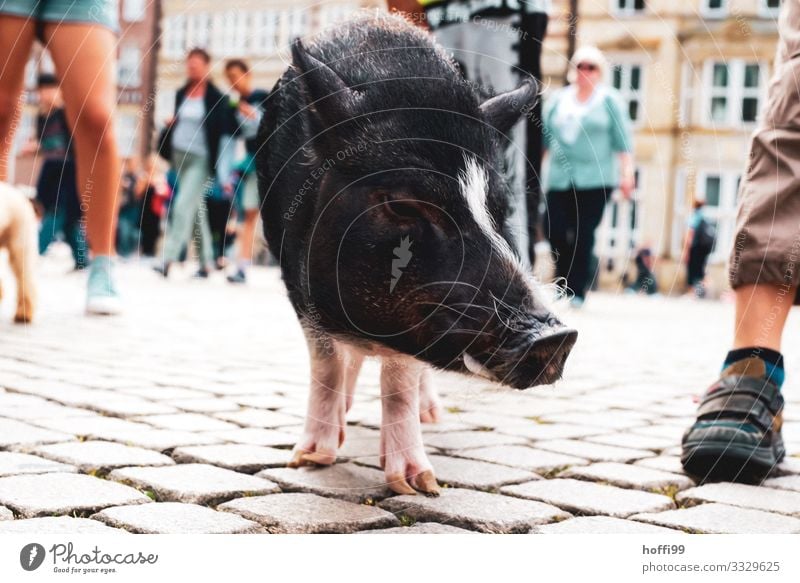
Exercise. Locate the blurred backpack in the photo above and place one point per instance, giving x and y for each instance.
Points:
(704, 236)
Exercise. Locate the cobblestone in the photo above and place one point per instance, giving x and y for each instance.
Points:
(601, 525)
(193, 483)
(581, 497)
(19, 463)
(47, 494)
(309, 513)
(476, 510)
(175, 518)
(205, 406)
(242, 458)
(782, 501)
(346, 481)
(723, 519)
(91, 456)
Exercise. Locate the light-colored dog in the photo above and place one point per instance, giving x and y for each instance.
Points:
(18, 236)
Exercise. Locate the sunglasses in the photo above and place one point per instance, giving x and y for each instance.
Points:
(586, 67)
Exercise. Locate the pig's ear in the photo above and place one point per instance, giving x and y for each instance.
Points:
(332, 98)
(504, 110)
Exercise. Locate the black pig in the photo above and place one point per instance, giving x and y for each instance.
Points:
(383, 195)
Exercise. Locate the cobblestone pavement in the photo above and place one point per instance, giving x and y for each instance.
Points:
(179, 417)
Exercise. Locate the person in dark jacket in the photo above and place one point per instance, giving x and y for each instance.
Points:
(202, 116)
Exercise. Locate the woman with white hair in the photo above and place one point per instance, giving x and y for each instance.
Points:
(588, 145)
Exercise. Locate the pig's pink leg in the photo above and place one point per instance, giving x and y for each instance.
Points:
(324, 426)
(354, 362)
(402, 453)
(430, 408)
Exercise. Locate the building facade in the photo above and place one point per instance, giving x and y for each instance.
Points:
(258, 31)
(694, 75)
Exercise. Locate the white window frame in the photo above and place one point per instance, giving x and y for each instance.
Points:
(626, 239)
(129, 66)
(626, 93)
(765, 11)
(723, 215)
(175, 35)
(735, 92)
(198, 30)
(127, 134)
(134, 10)
(707, 12)
(264, 39)
(628, 10)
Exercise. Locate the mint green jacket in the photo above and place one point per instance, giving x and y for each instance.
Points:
(590, 161)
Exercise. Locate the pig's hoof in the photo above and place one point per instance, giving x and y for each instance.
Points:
(304, 457)
(424, 482)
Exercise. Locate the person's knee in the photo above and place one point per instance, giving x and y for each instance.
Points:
(96, 123)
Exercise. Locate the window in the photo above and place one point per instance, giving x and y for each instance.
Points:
(619, 233)
(335, 13)
(127, 125)
(264, 39)
(198, 27)
(175, 33)
(734, 92)
(769, 8)
(627, 7)
(230, 33)
(627, 79)
(129, 67)
(715, 8)
(133, 10)
(297, 23)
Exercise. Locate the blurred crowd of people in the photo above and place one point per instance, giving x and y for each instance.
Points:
(206, 151)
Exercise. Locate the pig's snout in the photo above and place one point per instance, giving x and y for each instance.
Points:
(525, 360)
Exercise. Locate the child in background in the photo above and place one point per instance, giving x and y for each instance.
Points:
(56, 189)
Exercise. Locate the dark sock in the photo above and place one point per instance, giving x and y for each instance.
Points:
(772, 359)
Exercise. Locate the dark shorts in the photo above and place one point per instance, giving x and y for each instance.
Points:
(100, 12)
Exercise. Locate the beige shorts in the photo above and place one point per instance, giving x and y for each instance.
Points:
(767, 244)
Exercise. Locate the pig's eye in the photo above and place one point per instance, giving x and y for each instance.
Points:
(403, 208)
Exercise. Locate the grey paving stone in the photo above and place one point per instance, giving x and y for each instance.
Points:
(466, 473)
(346, 481)
(6, 514)
(309, 513)
(633, 441)
(158, 439)
(723, 519)
(475, 510)
(629, 476)
(175, 518)
(524, 457)
(56, 493)
(582, 497)
(14, 432)
(672, 432)
(784, 483)
(92, 426)
(12, 464)
(234, 456)
(789, 466)
(261, 418)
(127, 405)
(609, 420)
(211, 405)
(255, 436)
(539, 431)
(47, 410)
(774, 500)
(194, 483)
(459, 440)
(56, 525)
(266, 401)
(165, 393)
(665, 463)
(420, 528)
(102, 455)
(187, 422)
(594, 451)
(601, 525)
